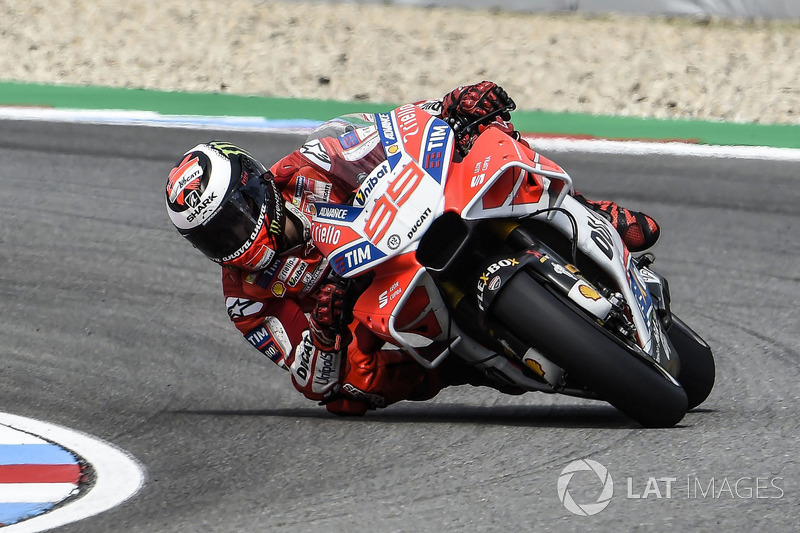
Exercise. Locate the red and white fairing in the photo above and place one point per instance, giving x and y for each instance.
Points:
(418, 182)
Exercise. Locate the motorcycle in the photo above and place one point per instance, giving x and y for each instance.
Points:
(484, 255)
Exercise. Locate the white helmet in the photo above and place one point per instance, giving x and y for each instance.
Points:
(226, 204)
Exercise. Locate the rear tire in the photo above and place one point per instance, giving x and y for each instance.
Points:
(590, 354)
(697, 371)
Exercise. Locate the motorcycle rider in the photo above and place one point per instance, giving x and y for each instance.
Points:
(278, 288)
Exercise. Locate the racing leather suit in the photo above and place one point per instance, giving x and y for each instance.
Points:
(269, 307)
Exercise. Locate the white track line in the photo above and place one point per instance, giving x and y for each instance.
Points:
(600, 146)
(557, 144)
(124, 117)
(118, 476)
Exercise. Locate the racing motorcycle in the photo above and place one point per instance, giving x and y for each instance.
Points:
(484, 255)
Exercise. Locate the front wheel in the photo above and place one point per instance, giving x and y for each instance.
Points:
(589, 353)
(697, 371)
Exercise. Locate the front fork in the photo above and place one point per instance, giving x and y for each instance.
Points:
(607, 308)
(471, 305)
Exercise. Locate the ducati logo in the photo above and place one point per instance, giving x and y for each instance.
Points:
(185, 176)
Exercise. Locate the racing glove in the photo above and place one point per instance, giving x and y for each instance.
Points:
(465, 107)
(329, 320)
(474, 102)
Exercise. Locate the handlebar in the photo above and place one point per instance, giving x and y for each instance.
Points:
(462, 128)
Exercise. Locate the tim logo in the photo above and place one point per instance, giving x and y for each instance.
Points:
(355, 257)
(434, 149)
(433, 160)
(358, 256)
(348, 140)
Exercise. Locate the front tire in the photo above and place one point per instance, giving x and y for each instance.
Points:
(697, 371)
(590, 354)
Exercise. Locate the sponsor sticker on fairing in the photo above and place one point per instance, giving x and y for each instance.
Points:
(419, 222)
(640, 292)
(348, 140)
(336, 213)
(369, 184)
(407, 121)
(388, 136)
(386, 128)
(360, 150)
(434, 107)
(589, 299)
(326, 234)
(434, 157)
(354, 257)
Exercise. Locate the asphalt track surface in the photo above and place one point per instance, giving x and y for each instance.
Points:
(114, 326)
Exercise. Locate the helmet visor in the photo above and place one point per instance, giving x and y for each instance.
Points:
(237, 224)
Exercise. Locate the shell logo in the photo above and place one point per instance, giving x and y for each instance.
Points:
(588, 292)
(278, 289)
(535, 366)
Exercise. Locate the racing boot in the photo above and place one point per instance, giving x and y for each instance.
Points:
(638, 231)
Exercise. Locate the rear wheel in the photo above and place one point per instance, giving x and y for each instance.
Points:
(589, 353)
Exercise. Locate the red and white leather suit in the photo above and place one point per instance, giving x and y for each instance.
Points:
(269, 307)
